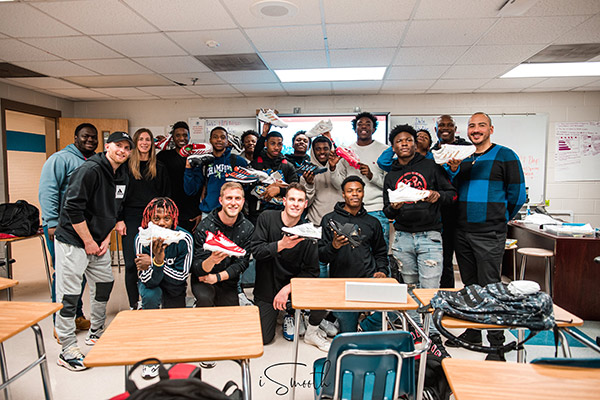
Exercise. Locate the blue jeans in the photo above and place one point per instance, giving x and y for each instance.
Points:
(324, 270)
(420, 257)
(385, 224)
(349, 321)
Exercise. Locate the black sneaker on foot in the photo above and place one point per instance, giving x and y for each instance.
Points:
(467, 336)
(495, 357)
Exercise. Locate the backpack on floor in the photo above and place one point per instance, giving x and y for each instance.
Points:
(494, 304)
(181, 381)
(19, 219)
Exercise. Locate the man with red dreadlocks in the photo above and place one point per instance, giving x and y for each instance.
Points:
(163, 269)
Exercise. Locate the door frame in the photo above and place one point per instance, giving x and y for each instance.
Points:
(12, 105)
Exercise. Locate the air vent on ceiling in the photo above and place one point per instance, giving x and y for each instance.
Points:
(566, 53)
(233, 62)
(8, 70)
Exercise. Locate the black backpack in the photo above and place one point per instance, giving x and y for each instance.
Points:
(19, 219)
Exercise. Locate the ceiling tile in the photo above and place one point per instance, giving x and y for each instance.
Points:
(109, 81)
(346, 11)
(545, 8)
(73, 47)
(262, 89)
(464, 10)
(459, 84)
(499, 54)
(56, 68)
(122, 92)
(204, 78)
(363, 87)
(165, 90)
(183, 15)
(446, 32)
(231, 41)
(365, 35)
(400, 85)
(477, 71)
(530, 30)
(82, 94)
(587, 32)
(97, 17)
(511, 83)
(308, 88)
(308, 14)
(446, 55)
(142, 45)
(173, 65)
(45, 83)
(114, 66)
(248, 77)
(22, 20)
(570, 82)
(416, 72)
(13, 50)
(287, 39)
(295, 59)
(362, 57)
(206, 90)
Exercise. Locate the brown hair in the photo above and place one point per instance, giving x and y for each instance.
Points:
(134, 159)
(230, 185)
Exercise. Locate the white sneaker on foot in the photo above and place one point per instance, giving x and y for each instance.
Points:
(150, 371)
(288, 327)
(93, 336)
(330, 328)
(72, 359)
(316, 337)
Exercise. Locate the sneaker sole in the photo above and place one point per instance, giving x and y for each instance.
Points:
(68, 366)
(242, 181)
(217, 248)
(90, 342)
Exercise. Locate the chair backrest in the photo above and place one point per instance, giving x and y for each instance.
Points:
(569, 362)
(367, 365)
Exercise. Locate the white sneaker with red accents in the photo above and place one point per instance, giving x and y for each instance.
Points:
(270, 117)
(405, 193)
(220, 242)
(195, 149)
(452, 151)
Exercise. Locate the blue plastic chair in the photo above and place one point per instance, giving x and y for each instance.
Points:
(569, 362)
(367, 365)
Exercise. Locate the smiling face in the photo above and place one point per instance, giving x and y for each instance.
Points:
(321, 150)
(300, 144)
(479, 131)
(118, 152)
(144, 143)
(274, 145)
(294, 202)
(249, 144)
(181, 137)
(364, 129)
(86, 141)
(446, 129)
(404, 146)
(162, 218)
(232, 201)
(353, 194)
(218, 140)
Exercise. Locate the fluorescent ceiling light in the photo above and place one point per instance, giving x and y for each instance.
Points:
(554, 69)
(331, 74)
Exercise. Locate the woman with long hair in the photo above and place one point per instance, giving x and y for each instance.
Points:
(147, 179)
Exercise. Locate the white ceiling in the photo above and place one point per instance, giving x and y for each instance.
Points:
(136, 49)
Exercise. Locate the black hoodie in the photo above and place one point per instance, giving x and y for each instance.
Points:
(95, 195)
(420, 173)
(348, 262)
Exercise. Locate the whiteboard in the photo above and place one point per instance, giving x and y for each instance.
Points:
(526, 135)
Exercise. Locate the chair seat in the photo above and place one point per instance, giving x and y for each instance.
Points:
(535, 252)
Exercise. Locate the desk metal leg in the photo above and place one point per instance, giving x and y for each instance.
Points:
(4, 371)
(9, 275)
(581, 339)
(384, 324)
(47, 265)
(246, 382)
(39, 340)
(521, 353)
(295, 364)
(564, 344)
(126, 375)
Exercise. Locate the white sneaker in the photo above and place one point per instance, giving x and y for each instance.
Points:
(404, 193)
(150, 371)
(307, 230)
(452, 151)
(330, 328)
(288, 328)
(154, 231)
(316, 337)
(72, 359)
(93, 336)
(270, 117)
(323, 126)
(303, 323)
(243, 300)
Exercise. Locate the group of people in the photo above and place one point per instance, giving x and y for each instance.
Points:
(223, 226)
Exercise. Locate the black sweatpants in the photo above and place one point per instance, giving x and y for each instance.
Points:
(133, 220)
(219, 294)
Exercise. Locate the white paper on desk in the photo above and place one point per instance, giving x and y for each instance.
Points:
(541, 219)
(377, 292)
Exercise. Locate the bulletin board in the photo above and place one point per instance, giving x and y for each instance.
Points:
(526, 135)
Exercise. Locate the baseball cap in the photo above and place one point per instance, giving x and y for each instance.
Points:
(118, 137)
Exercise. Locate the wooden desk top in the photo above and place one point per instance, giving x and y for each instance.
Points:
(16, 316)
(535, 229)
(507, 380)
(179, 335)
(17, 238)
(330, 294)
(5, 283)
(560, 314)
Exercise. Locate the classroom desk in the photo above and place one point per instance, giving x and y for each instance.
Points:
(564, 320)
(177, 335)
(7, 256)
(6, 283)
(493, 380)
(575, 275)
(15, 317)
(330, 294)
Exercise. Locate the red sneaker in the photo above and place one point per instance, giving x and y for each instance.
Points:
(194, 149)
(349, 155)
(220, 242)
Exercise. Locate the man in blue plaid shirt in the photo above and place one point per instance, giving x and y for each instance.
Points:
(491, 191)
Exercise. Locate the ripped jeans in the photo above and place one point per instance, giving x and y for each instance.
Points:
(420, 257)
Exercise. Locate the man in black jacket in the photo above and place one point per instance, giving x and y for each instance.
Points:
(215, 274)
(279, 258)
(418, 240)
(368, 259)
(92, 204)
